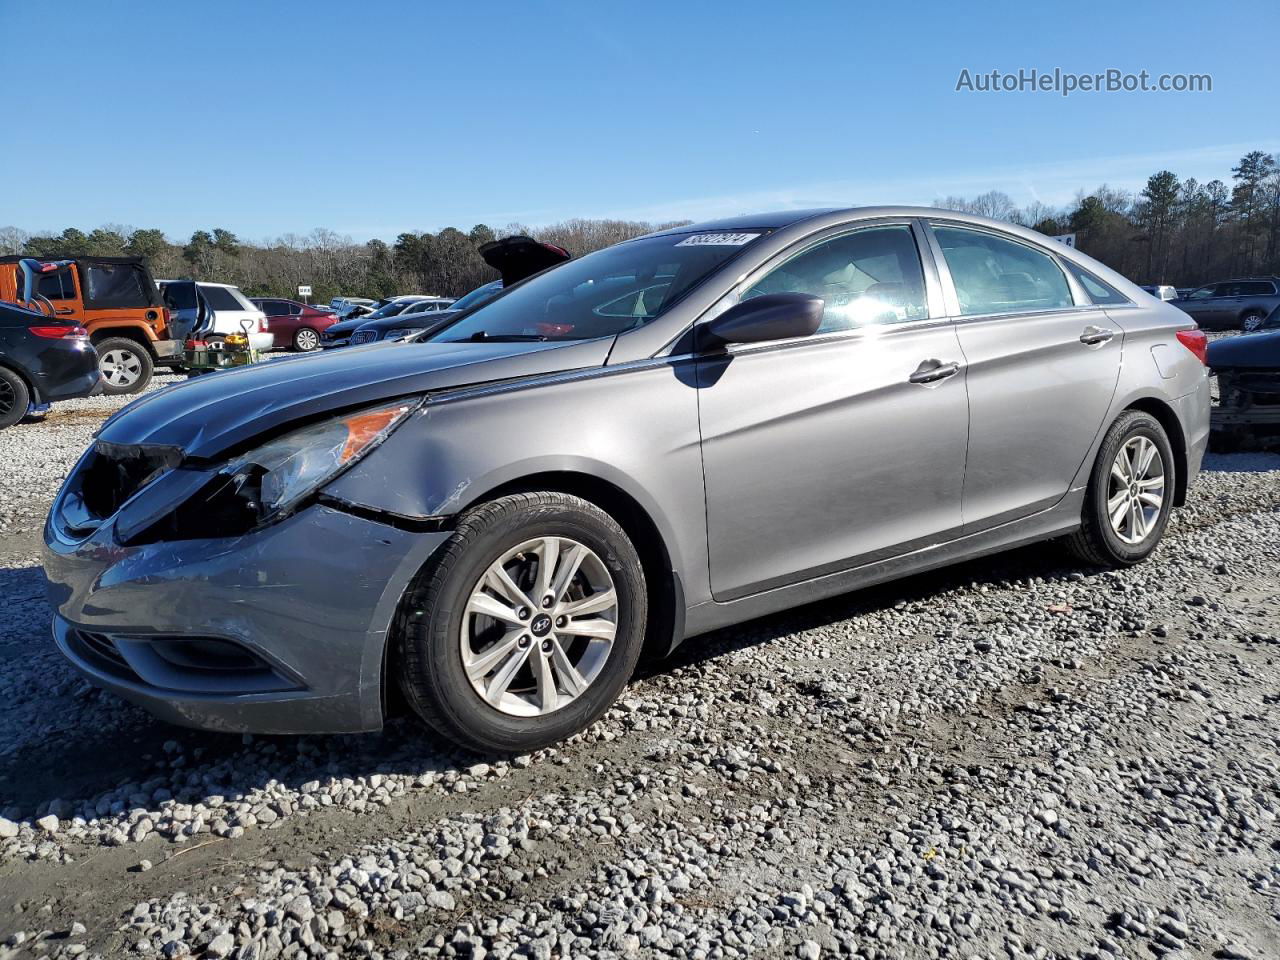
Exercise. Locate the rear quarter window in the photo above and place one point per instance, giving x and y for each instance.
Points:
(1099, 291)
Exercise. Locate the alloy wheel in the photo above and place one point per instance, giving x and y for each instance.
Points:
(7, 398)
(1252, 322)
(120, 368)
(306, 339)
(539, 626)
(1136, 490)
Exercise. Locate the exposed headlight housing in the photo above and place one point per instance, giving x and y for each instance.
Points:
(273, 478)
(402, 333)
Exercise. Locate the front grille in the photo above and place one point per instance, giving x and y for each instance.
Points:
(363, 336)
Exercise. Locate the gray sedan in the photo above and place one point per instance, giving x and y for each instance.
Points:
(672, 435)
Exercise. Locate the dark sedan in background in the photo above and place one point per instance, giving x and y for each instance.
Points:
(42, 360)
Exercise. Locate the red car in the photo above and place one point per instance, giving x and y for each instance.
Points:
(296, 326)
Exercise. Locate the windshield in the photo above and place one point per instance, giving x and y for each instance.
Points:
(389, 310)
(608, 292)
(477, 296)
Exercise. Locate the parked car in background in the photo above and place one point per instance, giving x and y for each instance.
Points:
(294, 325)
(212, 310)
(1241, 304)
(115, 299)
(343, 306)
(43, 357)
(339, 335)
(516, 258)
(659, 439)
(1248, 373)
(413, 322)
(1161, 291)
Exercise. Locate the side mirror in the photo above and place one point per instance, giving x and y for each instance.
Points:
(773, 316)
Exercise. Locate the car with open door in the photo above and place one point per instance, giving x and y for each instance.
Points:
(662, 438)
(211, 311)
(515, 259)
(44, 357)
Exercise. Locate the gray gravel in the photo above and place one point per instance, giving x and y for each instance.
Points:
(1016, 757)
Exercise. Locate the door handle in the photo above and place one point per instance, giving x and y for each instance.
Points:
(1092, 336)
(62, 311)
(931, 371)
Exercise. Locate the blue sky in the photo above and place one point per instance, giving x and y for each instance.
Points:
(373, 118)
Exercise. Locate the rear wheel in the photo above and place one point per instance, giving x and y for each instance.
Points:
(306, 340)
(1130, 494)
(125, 365)
(15, 398)
(526, 625)
(1252, 321)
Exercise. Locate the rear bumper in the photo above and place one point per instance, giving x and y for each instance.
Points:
(167, 350)
(309, 601)
(262, 342)
(1193, 412)
(67, 371)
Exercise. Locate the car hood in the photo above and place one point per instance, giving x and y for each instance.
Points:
(1253, 351)
(212, 414)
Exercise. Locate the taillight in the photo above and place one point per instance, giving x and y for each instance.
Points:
(262, 325)
(60, 332)
(1196, 342)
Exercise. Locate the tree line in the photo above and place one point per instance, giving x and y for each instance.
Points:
(1175, 231)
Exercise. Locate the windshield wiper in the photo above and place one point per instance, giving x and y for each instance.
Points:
(481, 337)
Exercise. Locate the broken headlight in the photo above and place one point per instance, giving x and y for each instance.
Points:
(277, 475)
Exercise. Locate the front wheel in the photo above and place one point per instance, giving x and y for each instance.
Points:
(125, 365)
(525, 626)
(1130, 494)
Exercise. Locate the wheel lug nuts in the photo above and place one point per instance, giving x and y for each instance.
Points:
(548, 600)
(546, 646)
(561, 621)
(523, 642)
(524, 613)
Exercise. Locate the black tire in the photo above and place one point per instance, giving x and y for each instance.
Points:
(304, 343)
(1096, 542)
(1252, 321)
(15, 398)
(428, 657)
(139, 360)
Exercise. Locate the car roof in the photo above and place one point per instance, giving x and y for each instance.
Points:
(778, 219)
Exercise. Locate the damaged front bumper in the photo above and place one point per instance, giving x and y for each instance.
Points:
(280, 630)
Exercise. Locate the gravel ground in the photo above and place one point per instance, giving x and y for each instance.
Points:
(1015, 757)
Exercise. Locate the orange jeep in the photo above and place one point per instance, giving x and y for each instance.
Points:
(116, 299)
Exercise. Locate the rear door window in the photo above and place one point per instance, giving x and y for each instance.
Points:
(221, 298)
(1255, 288)
(993, 274)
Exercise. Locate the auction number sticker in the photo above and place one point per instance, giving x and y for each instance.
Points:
(717, 239)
